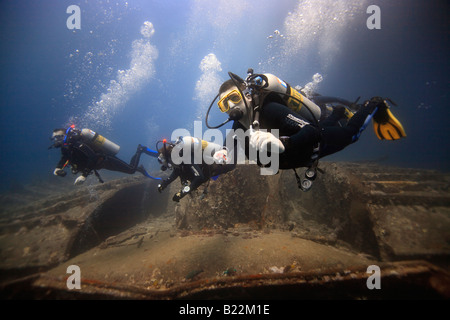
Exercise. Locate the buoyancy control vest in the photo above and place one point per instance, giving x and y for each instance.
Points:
(302, 106)
(293, 99)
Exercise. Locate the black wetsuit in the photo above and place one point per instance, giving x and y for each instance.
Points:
(194, 175)
(84, 159)
(305, 136)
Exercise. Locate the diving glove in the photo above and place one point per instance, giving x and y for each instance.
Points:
(80, 180)
(59, 172)
(221, 157)
(265, 142)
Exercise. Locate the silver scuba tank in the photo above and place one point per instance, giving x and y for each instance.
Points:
(293, 98)
(203, 147)
(99, 142)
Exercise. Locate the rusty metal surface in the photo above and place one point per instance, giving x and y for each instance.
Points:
(399, 280)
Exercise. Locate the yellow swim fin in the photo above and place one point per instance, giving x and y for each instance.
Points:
(386, 126)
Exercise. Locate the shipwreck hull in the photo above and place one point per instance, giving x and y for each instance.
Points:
(249, 236)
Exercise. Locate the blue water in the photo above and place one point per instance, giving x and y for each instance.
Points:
(52, 76)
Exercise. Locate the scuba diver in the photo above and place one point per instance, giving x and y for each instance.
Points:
(214, 162)
(306, 132)
(86, 151)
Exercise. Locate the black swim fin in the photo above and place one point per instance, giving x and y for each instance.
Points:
(385, 125)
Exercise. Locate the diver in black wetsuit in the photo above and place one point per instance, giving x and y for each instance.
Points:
(191, 174)
(86, 152)
(270, 103)
(298, 136)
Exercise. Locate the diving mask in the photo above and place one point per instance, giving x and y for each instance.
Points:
(57, 138)
(233, 96)
(58, 134)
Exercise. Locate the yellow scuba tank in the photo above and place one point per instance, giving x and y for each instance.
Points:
(99, 142)
(294, 99)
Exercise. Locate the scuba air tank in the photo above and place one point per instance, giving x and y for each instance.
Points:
(99, 143)
(293, 99)
(196, 145)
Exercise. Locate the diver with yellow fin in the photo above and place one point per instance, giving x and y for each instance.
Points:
(264, 101)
